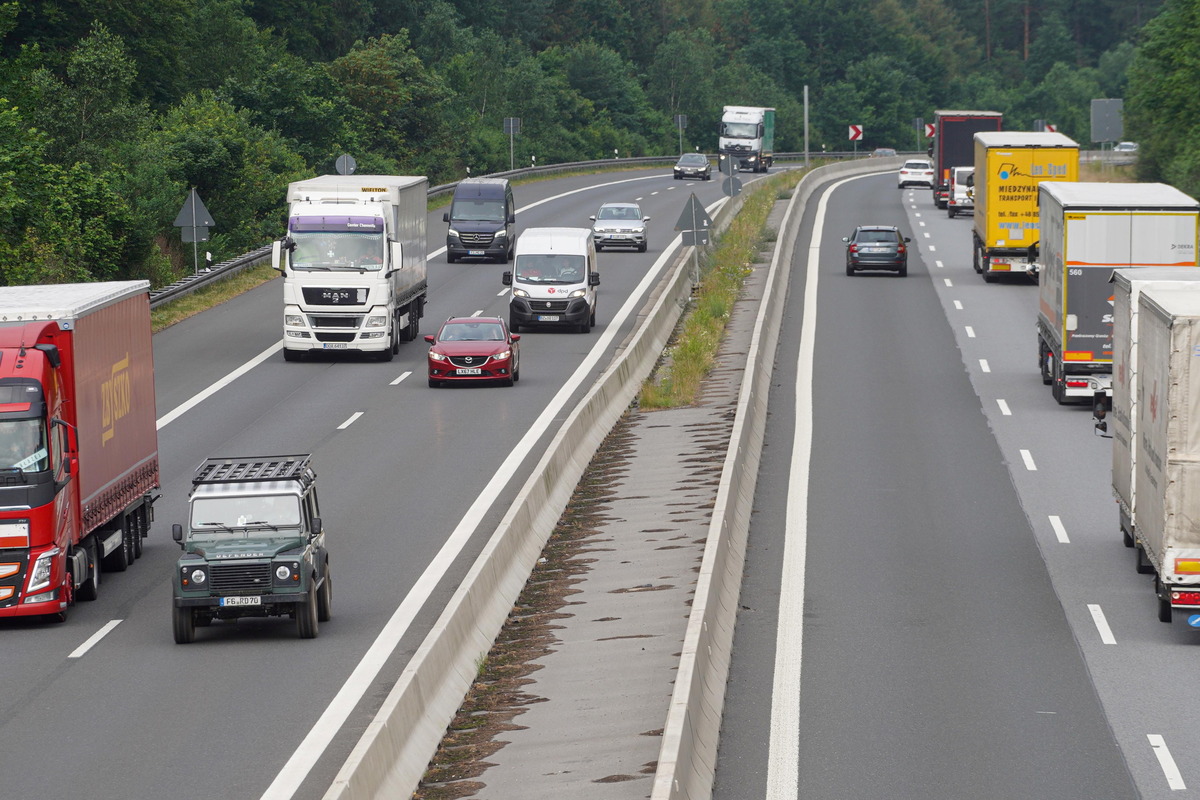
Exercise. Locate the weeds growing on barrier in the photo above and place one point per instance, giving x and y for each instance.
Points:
(693, 350)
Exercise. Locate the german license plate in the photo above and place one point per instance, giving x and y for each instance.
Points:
(241, 601)
(335, 345)
(469, 371)
(475, 252)
(874, 249)
(547, 318)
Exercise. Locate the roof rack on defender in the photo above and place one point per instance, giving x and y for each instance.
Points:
(244, 469)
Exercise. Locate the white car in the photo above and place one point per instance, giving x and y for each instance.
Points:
(915, 171)
(961, 196)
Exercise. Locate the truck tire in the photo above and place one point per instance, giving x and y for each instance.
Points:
(1142, 566)
(976, 259)
(90, 588)
(450, 257)
(183, 625)
(119, 559)
(1058, 386)
(1044, 363)
(325, 598)
(291, 355)
(513, 325)
(307, 624)
(141, 528)
(1164, 610)
(951, 212)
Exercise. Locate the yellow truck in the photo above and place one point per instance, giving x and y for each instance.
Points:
(1008, 168)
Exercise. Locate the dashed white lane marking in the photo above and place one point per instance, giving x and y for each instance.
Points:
(353, 418)
(477, 313)
(932, 249)
(502, 292)
(1106, 634)
(958, 305)
(970, 332)
(938, 264)
(983, 365)
(948, 282)
(1027, 457)
(403, 375)
(925, 233)
(922, 224)
(1004, 409)
(1060, 531)
(1159, 745)
(94, 638)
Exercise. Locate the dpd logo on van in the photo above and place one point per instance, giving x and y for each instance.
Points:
(550, 290)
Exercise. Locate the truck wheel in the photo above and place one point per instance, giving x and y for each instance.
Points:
(325, 598)
(119, 559)
(1044, 362)
(183, 624)
(585, 326)
(1058, 387)
(291, 355)
(141, 527)
(1143, 566)
(513, 325)
(951, 213)
(450, 257)
(90, 588)
(307, 625)
(1164, 602)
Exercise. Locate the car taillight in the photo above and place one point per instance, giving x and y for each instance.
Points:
(900, 249)
(853, 247)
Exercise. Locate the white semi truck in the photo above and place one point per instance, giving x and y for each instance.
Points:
(1167, 475)
(1121, 421)
(747, 138)
(353, 264)
(1087, 230)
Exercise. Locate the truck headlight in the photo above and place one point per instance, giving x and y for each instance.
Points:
(578, 293)
(39, 576)
(453, 234)
(500, 234)
(520, 292)
(377, 322)
(295, 320)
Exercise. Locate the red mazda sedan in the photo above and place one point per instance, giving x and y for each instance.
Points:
(474, 349)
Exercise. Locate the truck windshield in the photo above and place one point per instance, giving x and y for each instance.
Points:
(329, 250)
(739, 130)
(225, 513)
(23, 445)
(477, 211)
(549, 269)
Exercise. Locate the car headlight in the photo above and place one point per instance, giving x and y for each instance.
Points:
(452, 233)
(295, 320)
(436, 356)
(287, 573)
(501, 233)
(283, 572)
(520, 292)
(39, 576)
(502, 356)
(578, 293)
(194, 577)
(377, 322)
(639, 230)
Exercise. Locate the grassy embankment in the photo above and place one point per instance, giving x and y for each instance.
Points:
(693, 350)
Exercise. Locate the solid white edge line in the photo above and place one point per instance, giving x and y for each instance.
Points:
(1060, 531)
(293, 773)
(1027, 457)
(1106, 634)
(1159, 745)
(353, 418)
(784, 747)
(1004, 409)
(403, 375)
(94, 638)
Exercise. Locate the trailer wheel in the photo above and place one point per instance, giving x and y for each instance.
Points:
(118, 560)
(307, 625)
(90, 588)
(1143, 566)
(141, 520)
(183, 625)
(291, 355)
(1044, 363)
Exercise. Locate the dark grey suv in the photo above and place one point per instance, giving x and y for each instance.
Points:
(876, 247)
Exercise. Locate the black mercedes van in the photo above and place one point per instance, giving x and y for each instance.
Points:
(482, 220)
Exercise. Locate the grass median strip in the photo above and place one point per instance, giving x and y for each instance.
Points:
(693, 350)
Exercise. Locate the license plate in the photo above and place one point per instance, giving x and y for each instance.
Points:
(547, 318)
(241, 601)
(469, 371)
(475, 252)
(335, 345)
(620, 236)
(874, 249)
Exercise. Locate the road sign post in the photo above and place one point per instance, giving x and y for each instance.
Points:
(193, 222)
(856, 134)
(512, 126)
(681, 123)
(694, 223)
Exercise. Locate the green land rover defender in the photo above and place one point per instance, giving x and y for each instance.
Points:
(253, 546)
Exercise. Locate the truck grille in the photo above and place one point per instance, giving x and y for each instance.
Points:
(326, 336)
(476, 238)
(334, 296)
(549, 305)
(353, 322)
(240, 578)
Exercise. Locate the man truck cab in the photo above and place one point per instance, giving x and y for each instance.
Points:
(554, 279)
(482, 220)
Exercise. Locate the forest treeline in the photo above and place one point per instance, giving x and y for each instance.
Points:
(109, 112)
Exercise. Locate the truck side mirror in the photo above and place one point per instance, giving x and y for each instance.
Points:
(512, 219)
(177, 533)
(277, 256)
(593, 279)
(317, 527)
(506, 279)
(445, 216)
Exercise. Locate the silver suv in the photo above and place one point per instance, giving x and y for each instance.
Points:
(619, 225)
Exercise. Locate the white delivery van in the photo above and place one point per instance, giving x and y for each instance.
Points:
(553, 280)
(961, 196)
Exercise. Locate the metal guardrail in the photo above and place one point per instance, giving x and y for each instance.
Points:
(227, 269)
